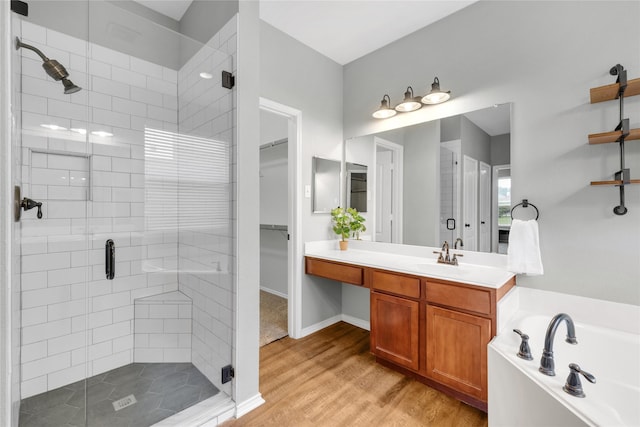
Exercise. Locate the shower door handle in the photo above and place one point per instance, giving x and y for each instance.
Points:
(110, 259)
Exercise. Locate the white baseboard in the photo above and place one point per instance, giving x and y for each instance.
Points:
(364, 324)
(277, 293)
(335, 319)
(249, 405)
(320, 325)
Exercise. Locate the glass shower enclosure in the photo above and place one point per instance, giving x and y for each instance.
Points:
(123, 148)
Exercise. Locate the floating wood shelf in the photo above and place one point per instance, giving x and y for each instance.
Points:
(609, 92)
(614, 182)
(606, 137)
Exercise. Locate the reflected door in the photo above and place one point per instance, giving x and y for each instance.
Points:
(484, 227)
(384, 194)
(470, 203)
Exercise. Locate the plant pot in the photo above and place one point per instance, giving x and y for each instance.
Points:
(344, 244)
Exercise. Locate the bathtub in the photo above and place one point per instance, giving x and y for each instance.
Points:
(519, 395)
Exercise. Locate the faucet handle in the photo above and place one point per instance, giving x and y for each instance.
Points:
(454, 260)
(440, 257)
(524, 352)
(573, 385)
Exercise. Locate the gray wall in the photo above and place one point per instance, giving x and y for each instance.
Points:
(493, 52)
(475, 142)
(500, 149)
(299, 77)
(421, 184)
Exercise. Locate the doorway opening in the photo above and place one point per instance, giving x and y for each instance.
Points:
(280, 213)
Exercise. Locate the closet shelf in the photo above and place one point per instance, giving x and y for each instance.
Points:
(610, 92)
(614, 182)
(614, 136)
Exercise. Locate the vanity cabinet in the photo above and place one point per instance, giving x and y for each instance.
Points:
(436, 331)
(457, 350)
(395, 329)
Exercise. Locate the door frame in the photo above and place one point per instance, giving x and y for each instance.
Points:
(6, 218)
(294, 212)
(396, 188)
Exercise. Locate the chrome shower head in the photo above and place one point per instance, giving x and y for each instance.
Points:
(69, 87)
(53, 68)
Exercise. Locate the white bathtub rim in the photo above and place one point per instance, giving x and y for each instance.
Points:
(584, 409)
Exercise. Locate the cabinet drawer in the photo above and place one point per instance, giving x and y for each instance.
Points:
(461, 297)
(395, 283)
(331, 270)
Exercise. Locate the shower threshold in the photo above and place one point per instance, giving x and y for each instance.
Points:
(143, 393)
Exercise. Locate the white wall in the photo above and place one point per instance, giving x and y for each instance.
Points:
(493, 52)
(294, 75)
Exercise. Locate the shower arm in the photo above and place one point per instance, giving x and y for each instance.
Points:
(19, 44)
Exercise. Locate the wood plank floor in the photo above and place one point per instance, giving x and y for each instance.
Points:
(330, 379)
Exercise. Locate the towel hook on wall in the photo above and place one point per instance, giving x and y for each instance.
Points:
(525, 204)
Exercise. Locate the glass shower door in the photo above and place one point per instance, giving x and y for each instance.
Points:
(55, 182)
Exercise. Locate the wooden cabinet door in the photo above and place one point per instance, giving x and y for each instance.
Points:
(457, 350)
(394, 329)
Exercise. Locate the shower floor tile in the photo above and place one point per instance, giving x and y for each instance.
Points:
(160, 390)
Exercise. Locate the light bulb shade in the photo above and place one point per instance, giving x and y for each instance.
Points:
(410, 103)
(384, 112)
(436, 96)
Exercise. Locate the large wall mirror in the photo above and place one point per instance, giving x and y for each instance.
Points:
(443, 180)
(326, 184)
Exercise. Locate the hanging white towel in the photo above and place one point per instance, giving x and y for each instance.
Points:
(523, 253)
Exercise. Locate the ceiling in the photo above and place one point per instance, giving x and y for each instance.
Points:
(341, 30)
(172, 8)
(494, 121)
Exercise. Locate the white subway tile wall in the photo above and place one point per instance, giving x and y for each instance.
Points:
(163, 328)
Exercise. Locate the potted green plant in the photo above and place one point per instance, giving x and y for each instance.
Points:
(341, 220)
(357, 223)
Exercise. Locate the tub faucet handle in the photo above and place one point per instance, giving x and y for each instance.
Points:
(524, 352)
(573, 385)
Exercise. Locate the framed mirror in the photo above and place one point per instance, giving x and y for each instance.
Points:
(326, 180)
(357, 186)
(443, 180)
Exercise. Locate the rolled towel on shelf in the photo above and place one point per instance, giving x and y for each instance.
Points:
(523, 253)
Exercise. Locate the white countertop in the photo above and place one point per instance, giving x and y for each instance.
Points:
(419, 261)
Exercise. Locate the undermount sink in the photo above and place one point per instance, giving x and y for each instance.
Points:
(445, 269)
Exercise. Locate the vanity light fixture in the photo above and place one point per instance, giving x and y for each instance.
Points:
(206, 75)
(385, 111)
(410, 102)
(436, 96)
(79, 130)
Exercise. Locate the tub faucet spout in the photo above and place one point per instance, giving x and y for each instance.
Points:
(547, 365)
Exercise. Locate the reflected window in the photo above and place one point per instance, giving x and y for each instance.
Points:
(504, 201)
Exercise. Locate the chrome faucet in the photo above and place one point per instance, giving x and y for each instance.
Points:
(445, 248)
(444, 257)
(455, 245)
(547, 365)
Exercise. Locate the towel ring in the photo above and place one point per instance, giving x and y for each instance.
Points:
(525, 204)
